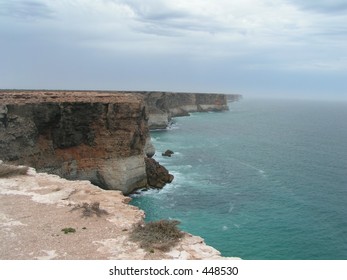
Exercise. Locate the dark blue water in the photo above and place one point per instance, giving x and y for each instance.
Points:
(266, 180)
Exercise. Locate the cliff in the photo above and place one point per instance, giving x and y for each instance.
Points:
(43, 217)
(163, 106)
(98, 136)
(95, 136)
(102, 137)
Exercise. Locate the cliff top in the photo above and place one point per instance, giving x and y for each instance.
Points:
(43, 96)
(43, 216)
(83, 96)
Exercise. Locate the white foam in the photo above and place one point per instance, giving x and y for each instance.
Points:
(249, 165)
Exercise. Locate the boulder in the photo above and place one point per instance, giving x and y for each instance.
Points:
(167, 153)
(157, 175)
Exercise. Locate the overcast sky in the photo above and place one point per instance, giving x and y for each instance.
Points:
(252, 47)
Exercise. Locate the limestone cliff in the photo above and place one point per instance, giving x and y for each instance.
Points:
(98, 136)
(94, 136)
(102, 137)
(162, 106)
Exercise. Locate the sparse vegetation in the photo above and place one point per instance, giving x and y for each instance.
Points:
(7, 170)
(88, 210)
(161, 235)
(68, 230)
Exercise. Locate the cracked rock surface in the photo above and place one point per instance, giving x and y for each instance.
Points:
(34, 209)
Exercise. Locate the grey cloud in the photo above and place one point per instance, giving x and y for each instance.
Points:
(322, 6)
(25, 9)
(178, 28)
(163, 20)
(154, 10)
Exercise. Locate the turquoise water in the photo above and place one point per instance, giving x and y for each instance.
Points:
(265, 180)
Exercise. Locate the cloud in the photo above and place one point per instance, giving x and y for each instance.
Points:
(23, 9)
(172, 44)
(323, 6)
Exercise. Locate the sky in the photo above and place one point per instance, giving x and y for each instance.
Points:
(282, 48)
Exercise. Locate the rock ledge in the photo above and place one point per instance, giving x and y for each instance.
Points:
(34, 209)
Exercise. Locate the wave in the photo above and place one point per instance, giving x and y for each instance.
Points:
(260, 171)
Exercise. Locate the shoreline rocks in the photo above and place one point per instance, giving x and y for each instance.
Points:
(157, 175)
(167, 153)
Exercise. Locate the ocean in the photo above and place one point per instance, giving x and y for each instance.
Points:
(266, 180)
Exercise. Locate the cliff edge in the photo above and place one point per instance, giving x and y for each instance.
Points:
(43, 216)
(95, 136)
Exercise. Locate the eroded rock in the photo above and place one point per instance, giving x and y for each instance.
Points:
(157, 175)
(167, 153)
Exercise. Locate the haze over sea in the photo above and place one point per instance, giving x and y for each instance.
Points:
(265, 180)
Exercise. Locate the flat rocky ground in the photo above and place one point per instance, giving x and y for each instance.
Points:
(34, 209)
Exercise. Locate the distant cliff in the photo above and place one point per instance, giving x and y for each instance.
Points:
(163, 106)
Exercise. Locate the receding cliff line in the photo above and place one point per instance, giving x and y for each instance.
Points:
(98, 136)
(163, 106)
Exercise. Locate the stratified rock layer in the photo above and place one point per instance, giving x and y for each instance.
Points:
(97, 136)
(94, 136)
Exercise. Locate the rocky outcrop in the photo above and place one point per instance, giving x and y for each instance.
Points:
(157, 175)
(95, 136)
(167, 153)
(163, 106)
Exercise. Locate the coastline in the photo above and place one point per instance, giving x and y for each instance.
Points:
(36, 207)
(72, 134)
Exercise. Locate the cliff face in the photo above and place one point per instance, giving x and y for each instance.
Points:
(99, 137)
(102, 137)
(162, 106)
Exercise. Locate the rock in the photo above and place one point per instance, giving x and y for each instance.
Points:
(95, 136)
(102, 137)
(167, 153)
(3, 115)
(163, 106)
(149, 148)
(159, 120)
(51, 204)
(157, 175)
